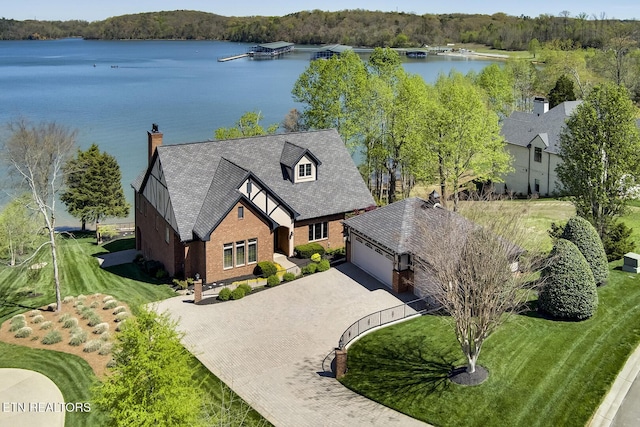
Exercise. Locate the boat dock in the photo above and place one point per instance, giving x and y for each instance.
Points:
(232, 57)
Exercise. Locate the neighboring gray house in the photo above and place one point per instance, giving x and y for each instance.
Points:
(533, 140)
(216, 208)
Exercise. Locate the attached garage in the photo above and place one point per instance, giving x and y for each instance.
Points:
(372, 259)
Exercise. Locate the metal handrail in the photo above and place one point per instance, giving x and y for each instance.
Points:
(387, 316)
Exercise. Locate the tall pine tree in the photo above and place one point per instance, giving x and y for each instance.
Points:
(93, 187)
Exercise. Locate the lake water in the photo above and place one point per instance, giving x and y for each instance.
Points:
(112, 91)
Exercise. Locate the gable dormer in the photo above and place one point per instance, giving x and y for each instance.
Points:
(298, 163)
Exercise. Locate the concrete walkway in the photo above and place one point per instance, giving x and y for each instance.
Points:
(29, 399)
(117, 258)
(269, 347)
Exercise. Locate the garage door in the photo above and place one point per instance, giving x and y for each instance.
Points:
(373, 260)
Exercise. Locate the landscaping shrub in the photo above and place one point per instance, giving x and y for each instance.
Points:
(67, 299)
(121, 325)
(121, 316)
(78, 338)
(119, 309)
(569, 290)
(237, 293)
(316, 257)
(246, 288)
(52, 307)
(46, 325)
(34, 313)
(109, 305)
(18, 318)
(310, 269)
(81, 297)
(91, 346)
(161, 274)
(617, 241)
(94, 319)
(224, 294)
(180, 284)
(70, 323)
(64, 318)
(100, 328)
(87, 312)
(324, 265)
(581, 233)
(107, 298)
(52, 337)
(266, 269)
(105, 349)
(17, 324)
(38, 319)
(23, 332)
(287, 277)
(307, 250)
(105, 336)
(273, 280)
(94, 304)
(111, 363)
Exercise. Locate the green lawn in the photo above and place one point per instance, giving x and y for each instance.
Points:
(81, 274)
(542, 372)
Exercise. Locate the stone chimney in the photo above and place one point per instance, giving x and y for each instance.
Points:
(540, 106)
(154, 140)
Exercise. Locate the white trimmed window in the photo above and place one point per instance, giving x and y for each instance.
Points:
(318, 231)
(240, 212)
(304, 170)
(227, 256)
(252, 251)
(537, 155)
(167, 233)
(240, 254)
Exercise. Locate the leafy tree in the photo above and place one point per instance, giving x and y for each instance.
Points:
(562, 91)
(533, 47)
(569, 291)
(247, 125)
(151, 383)
(497, 82)
(18, 229)
(617, 241)
(464, 136)
(36, 154)
(293, 121)
(581, 233)
(524, 77)
(332, 92)
(600, 150)
(93, 187)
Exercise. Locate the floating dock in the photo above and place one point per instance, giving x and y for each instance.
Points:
(231, 58)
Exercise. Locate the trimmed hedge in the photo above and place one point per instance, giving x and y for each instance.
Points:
(287, 277)
(581, 233)
(224, 294)
(273, 280)
(237, 293)
(569, 290)
(266, 269)
(307, 250)
(316, 257)
(324, 265)
(246, 288)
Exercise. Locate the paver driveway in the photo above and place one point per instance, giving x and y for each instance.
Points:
(269, 347)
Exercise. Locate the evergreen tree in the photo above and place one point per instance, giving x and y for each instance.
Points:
(569, 290)
(93, 187)
(582, 234)
(562, 91)
(600, 152)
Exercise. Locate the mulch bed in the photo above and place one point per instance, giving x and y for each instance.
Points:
(97, 361)
(462, 377)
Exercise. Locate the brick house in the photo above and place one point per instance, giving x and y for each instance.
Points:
(216, 208)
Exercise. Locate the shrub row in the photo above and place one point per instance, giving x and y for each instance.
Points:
(307, 250)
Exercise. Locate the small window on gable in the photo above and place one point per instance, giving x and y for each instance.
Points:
(240, 212)
(167, 234)
(304, 170)
(537, 155)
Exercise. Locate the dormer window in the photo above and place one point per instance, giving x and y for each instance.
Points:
(304, 170)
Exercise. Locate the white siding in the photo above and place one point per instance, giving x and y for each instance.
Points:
(304, 161)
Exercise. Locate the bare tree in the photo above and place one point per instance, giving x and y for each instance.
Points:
(475, 268)
(36, 154)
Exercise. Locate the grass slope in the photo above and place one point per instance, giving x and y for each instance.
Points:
(542, 372)
(81, 274)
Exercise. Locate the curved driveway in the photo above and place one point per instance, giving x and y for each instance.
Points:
(269, 347)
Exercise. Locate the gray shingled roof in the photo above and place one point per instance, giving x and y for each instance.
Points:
(521, 128)
(202, 178)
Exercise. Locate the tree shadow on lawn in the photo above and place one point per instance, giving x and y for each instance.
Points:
(411, 371)
(134, 272)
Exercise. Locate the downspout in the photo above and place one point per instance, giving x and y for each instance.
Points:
(529, 171)
(549, 174)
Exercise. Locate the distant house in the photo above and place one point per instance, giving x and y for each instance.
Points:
(329, 51)
(533, 140)
(216, 208)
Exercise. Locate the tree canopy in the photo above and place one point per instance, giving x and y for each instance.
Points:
(247, 125)
(93, 187)
(600, 152)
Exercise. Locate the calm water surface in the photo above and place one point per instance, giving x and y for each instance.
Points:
(112, 91)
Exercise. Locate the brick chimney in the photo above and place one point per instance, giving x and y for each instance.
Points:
(155, 140)
(540, 106)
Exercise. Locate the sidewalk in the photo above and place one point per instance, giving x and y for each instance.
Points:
(620, 406)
